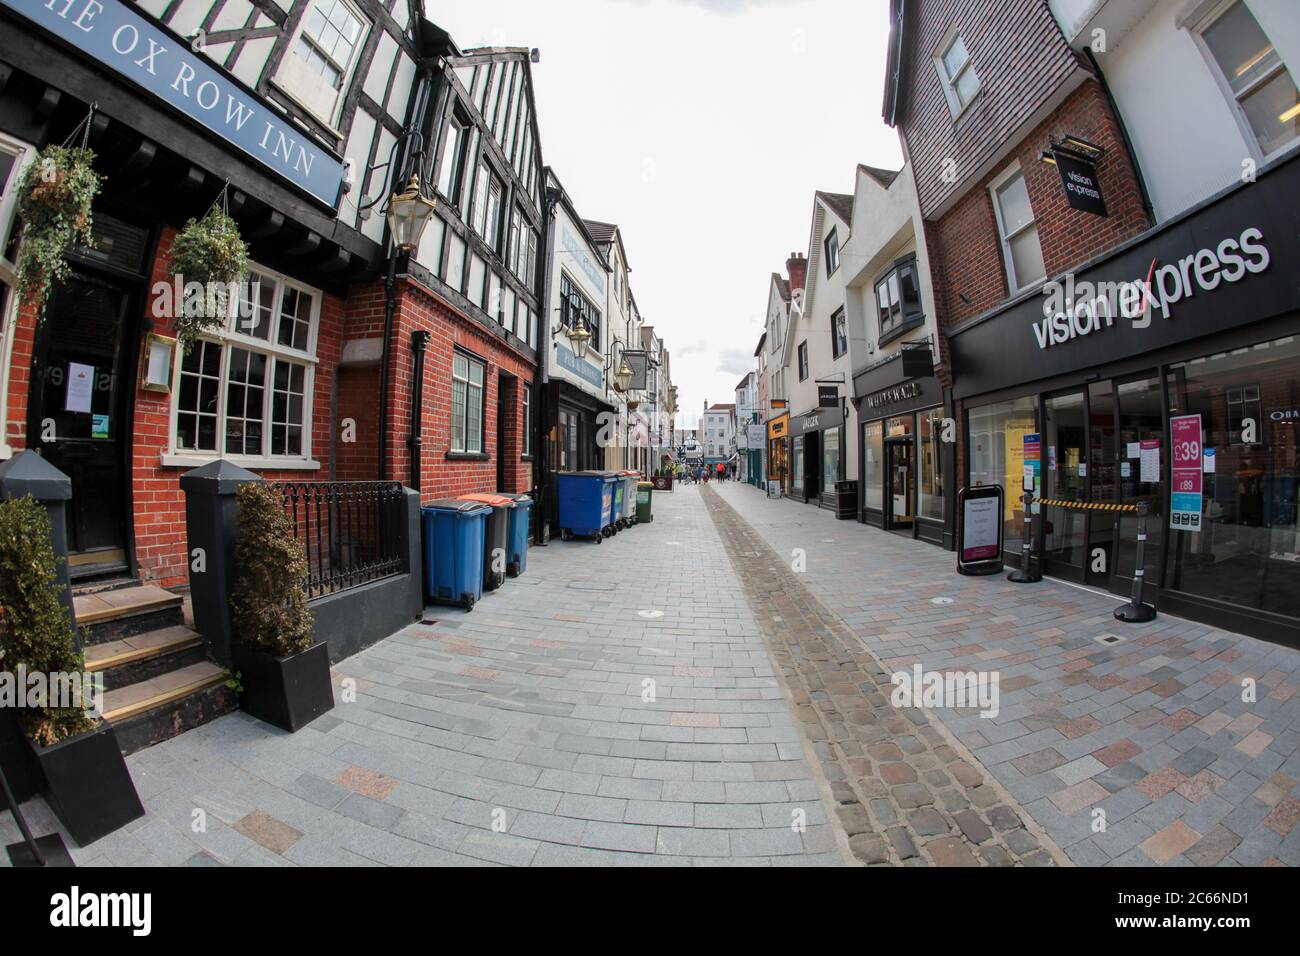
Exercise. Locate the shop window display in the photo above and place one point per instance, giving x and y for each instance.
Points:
(1248, 549)
(996, 456)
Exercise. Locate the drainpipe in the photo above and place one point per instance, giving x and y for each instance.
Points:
(419, 342)
(541, 378)
(1123, 132)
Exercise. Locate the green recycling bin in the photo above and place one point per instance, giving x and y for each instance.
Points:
(644, 493)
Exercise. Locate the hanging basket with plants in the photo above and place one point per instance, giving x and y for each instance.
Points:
(55, 196)
(211, 252)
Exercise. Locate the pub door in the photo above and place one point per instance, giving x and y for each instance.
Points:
(78, 415)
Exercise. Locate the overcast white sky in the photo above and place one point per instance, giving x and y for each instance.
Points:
(701, 127)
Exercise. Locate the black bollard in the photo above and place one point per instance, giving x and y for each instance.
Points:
(1135, 612)
(1028, 572)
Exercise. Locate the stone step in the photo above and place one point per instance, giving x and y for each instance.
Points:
(117, 613)
(140, 657)
(144, 695)
(160, 707)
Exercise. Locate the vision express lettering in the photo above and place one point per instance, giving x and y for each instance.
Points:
(1074, 309)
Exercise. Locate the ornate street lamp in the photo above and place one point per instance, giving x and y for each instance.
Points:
(623, 377)
(408, 213)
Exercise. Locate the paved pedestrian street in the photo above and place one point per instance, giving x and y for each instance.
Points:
(715, 688)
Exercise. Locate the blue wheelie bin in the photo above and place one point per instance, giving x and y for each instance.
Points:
(453, 550)
(586, 501)
(517, 548)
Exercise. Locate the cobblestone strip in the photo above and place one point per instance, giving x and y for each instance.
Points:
(905, 790)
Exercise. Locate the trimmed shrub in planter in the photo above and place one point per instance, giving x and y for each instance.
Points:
(285, 678)
(86, 780)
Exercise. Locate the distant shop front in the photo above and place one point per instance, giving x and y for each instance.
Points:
(1171, 377)
(906, 448)
(816, 455)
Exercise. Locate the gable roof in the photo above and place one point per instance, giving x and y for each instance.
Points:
(600, 231)
(885, 177)
(782, 286)
(838, 203)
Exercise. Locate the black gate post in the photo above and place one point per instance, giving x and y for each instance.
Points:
(211, 524)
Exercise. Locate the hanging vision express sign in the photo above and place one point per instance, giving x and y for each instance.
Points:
(134, 48)
(1079, 179)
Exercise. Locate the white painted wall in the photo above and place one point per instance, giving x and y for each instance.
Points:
(1186, 130)
(582, 263)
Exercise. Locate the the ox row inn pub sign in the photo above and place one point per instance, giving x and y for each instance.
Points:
(130, 45)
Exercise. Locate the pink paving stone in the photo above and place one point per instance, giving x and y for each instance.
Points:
(967, 649)
(1245, 723)
(1196, 788)
(1274, 790)
(481, 673)
(1218, 678)
(1232, 655)
(1084, 794)
(1155, 785)
(1106, 682)
(1284, 816)
(1254, 743)
(1138, 684)
(1048, 641)
(1050, 632)
(681, 670)
(1078, 727)
(685, 719)
(469, 650)
(366, 782)
(1022, 658)
(1079, 665)
(1180, 720)
(1117, 753)
(571, 618)
(1079, 652)
(1283, 692)
(272, 833)
(1128, 660)
(1204, 654)
(1168, 843)
(549, 644)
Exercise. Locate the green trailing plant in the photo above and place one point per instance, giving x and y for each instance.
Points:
(36, 631)
(269, 603)
(211, 252)
(55, 196)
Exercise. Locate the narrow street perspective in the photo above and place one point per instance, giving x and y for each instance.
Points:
(523, 434)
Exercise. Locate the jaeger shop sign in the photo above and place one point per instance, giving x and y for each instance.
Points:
(133, 47)
(1216, 269)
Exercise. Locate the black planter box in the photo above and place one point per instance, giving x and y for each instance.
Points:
(16, 758)
(87, 784)
(289, 692)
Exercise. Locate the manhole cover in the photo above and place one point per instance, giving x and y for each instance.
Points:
(941, 600)
(1109, 639)
(650, 615)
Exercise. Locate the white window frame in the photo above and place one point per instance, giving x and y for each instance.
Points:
(24, 153)
(1197, 27)
(472, 360)
(832, 236)
(228, 338)
(949, 83)
(1004, 239)
(285, 86)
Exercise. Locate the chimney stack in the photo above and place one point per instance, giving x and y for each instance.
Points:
(796, 267)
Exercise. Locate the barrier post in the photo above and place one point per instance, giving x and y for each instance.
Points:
(1027, 573)
(1136, 612)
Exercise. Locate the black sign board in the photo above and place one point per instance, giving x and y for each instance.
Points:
(828, 396)
(1079, 179)
(979, 530)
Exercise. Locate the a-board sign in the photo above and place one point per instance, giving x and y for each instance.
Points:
(979, 530)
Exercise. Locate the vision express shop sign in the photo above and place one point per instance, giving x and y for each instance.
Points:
(134, 48)
(1223, 266)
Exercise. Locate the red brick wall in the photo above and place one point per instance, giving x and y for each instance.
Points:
(965, 253)
(441, 476)
(1021, 59)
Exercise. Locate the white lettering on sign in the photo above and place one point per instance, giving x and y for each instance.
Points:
(896, 394)
(1075, 309)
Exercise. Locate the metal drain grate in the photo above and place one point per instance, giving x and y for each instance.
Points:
(1109, 639)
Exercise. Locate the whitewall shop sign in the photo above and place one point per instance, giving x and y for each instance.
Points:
(1076, 309)
(133, 47)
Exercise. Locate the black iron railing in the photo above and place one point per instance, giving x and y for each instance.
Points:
(349, 530)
